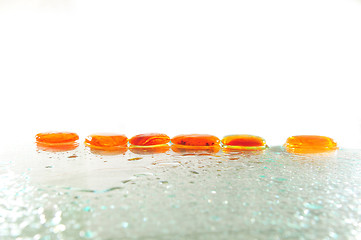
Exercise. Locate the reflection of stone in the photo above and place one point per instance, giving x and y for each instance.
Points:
(195, 150)
(244, 152)
(118, 151)
(149, 149)
(62, 147)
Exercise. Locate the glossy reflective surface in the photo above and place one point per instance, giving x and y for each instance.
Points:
(268, 194)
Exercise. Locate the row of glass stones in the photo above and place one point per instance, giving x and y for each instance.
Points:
(110, 142)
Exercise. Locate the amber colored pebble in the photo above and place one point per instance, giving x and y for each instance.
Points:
(149, 139)
(195, 150)
(195, 140)
(244, 142)
(56, 137)
(310, 144)
(106, 141)
(149, 149)
(56, 141)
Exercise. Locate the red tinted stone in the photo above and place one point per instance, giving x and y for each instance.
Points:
(195, 140)
(244, 142)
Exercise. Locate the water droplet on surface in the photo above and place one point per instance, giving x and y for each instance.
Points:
(125, 224)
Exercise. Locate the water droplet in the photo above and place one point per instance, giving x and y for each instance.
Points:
(312, 206)
(59, 228)
(280, 179)
(87, 209)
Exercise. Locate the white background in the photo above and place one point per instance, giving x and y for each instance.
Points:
(270, 68)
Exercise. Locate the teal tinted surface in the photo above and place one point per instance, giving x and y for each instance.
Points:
(268, 195)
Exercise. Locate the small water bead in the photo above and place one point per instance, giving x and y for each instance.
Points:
(310, 144)
(244, 142)
(106, 142)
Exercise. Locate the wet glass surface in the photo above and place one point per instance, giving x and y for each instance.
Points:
(272, 194)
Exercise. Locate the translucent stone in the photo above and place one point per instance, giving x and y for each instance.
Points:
(106, 142)
(149, 139)
(244, 142)
(195, 144)
(310, 144)
(56, 137)
(195, 140)
(57, 141)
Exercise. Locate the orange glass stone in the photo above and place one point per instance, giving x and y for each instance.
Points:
(106, 142)
(149, 139)
(109, 152)
(310, 144)
(244, 142)
(195, 140)
(56, 137)
(57, 141)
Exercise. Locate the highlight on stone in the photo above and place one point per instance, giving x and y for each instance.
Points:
(106, 142)
(244, 142)
(310, 144)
